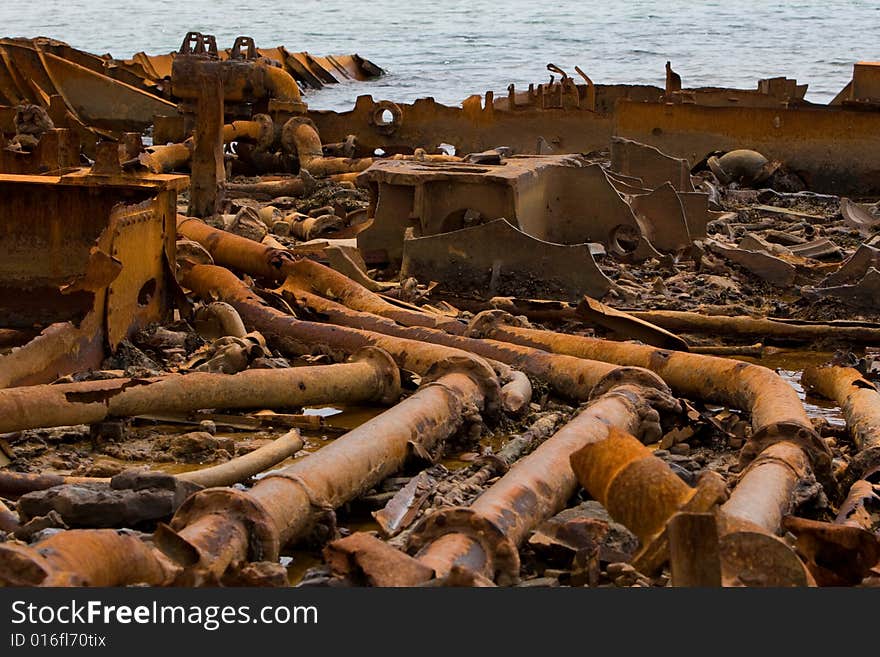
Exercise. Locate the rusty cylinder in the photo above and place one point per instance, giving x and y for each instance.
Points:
(484, 536)
(217, 527)
(84, 557)
(637, 488)
(572, 377)
(775, 409)
(860, 403)
(372, 376)
(763, 494)
(230, 250)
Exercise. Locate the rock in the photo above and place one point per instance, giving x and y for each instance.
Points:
(616, 544)
(539, 582)
(98, 505)
(208, 426)
(27, 531)
(680, 448)
(194, 447)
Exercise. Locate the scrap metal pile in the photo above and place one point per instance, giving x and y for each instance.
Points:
(526, 341)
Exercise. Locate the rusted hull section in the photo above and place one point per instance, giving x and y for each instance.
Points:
(802, 138)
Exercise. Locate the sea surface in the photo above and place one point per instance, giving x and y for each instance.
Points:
(450, 49)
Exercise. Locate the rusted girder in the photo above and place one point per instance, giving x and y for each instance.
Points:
(218, 527)
(84, 557)
(777, 413)
(860, 402)
(484, 537)
(208, 170)
(372, 376)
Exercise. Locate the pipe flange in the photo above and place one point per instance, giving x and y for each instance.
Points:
(380, 123)
(627, 375)
(388, 372)
(264, 543)
(503, 556)
(803, 436)
(475, 368)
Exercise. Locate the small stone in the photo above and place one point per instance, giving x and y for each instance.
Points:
(735, 443)
(680, 449)
(208, 426)
(619, 568)
(538, 582)
(194, 447)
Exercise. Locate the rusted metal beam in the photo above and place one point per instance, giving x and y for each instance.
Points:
(829, 147)
(208, 178)
(694, 557)
(372, 376)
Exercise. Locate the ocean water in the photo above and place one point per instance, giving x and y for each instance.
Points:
(450, 49)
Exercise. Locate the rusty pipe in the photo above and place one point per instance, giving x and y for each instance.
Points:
(84, 557)
(295, 336)
(751, 553)
(280, 84)
(763, 494)
(217, 527)
(316, 278)
(371, 377)
(228, 321)
(299, 136)
(860, 402)
(230, 250)
(484, 537)
(641, 491)
(164, 158)
(572, 377)
(245, 466)
(775, 409)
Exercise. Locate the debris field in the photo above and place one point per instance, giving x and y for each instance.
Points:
(574, 335)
